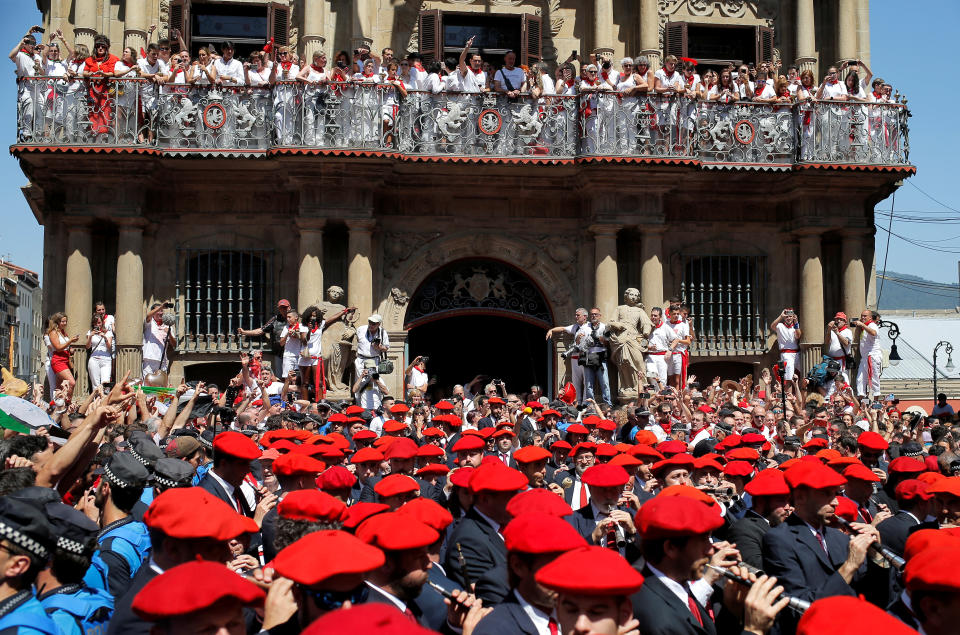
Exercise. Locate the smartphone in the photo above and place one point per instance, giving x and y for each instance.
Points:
(644, 395)
(573, 55)
(40, 29)
(877, 406)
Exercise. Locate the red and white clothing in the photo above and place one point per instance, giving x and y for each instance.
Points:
(474, 81)
(155, 337)
(149, 90)
(674, 79)
(834, 90)
(871, 362)
(676, 364)
(28, 91)
(311, 355)
(789, 348)
(837, 352)
(229, 70)
(99, 361)
(658, 350)
(292, 347)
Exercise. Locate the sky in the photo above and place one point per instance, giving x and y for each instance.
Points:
(908, 48)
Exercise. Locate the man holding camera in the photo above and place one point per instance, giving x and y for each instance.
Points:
(840, 339)
(574, 353)
(416, 374)
(787, 328)
(372, 345)
(594, 336)
(157, 335)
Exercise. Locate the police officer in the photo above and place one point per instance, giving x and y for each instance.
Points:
(25, 544)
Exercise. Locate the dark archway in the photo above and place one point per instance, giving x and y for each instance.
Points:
(706, 371)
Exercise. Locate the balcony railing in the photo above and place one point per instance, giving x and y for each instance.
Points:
(137, 114)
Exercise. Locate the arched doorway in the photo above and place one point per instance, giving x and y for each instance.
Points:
(478, 316)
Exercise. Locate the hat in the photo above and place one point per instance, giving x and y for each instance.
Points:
(325, 554)
(753, 437)
(671, 516)
(296, 465)
(538, 500)
(393, 531)
(625, 460)
(677, 461)
(813, 474)
(860, 472)
(375, 318)
(906, 465)
(433, 469)
(367, 455)
(538, 532)
(560, 445)
(921, 539)
(689, 491)
(461, 476)
(503, 432)
(170, 473)
(576, 428)
(912, 489)
(430, 451)
(393, 426)
(401, 448)
(591, 571)
(646, 452)
(469, 443)
(364, 435)
(395, 485)
(399, 408)
(531, 454)
(605, 475)
(144, 450)
(584, 446)
(847, 614)
(236, 445)
(336, 478)
(934, 569)
(429, 512)
(175, 592)
(493, 401)
(284, 302)
(72, 530)
(768, 483)
(911, 449)
(815, 443)
(738, 468)
(872, 441)
(840, 316)
(186, 446)
(359, 512)
(192, 512)
(444, 406)
(534, 405)
(125, 471)
(668, 448)
(605, 450)
(496, 477)
(371, 617)
(311, 505)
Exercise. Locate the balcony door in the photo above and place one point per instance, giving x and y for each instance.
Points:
(443, 34)
(248, 25)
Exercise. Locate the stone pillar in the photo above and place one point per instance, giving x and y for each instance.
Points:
(85, 24)
(602, 24)
(313, 37)
(135, 24)
(846, 29)
(650, 31)
(871, 257)
(863, 30)
(78, 300)
(806, 37)
(606, 286)
(129, 310)
(364, 16)
(810, 311)
(854, 283)
(651, 271)
(359, 270)
(310, 285)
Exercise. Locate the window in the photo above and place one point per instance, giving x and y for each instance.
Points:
(249, 26)
(443, 34)
(714, 45)
(725, 295)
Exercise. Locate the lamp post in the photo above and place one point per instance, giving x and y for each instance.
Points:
(949, 367)
(893, 333)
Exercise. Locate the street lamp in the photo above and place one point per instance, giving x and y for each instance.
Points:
(893, 334)
(949, 348)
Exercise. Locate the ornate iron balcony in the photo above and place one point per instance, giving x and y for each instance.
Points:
(137, 115)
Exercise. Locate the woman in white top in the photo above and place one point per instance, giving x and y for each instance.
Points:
(314, 77)
(283, 74)
(202, 71)
(127, 113)
(394, 91)
(342, 90)
(833, 120)
(805, 93)
(667, 84)
(627, 112)
(99, 345)
(366, 107)
(74, 101)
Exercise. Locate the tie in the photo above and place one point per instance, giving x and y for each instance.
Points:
(822, 542)
(554, 629)
(865, 514)
(583, 494)
(505, 459)
(693, 607)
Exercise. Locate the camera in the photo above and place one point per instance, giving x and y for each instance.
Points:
(38, 29)
(376, 341)
(168, 305)
(644, 395)
(424, 359)
(606, 65)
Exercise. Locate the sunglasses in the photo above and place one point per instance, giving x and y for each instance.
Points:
(164, 48)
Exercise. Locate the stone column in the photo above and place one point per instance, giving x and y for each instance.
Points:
(606, 286)
(846, 29)
(863, 30)
(602, 24)
(85, 24)
(651, 271)
(806, 37)
(129, 311)
(310, 285)
(854, 283)
(650, 31)
(810, 311)
(313, 37)
(135, 24)
(359, 270)
(78, 300)
(364, 16)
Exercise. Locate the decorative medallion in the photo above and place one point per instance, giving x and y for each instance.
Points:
(489, 122)
(744, 132)
(214, 116)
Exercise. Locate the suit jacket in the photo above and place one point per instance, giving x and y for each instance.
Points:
(748, 533)
(124, 621)
(430, 604)
(585, 521)
(508, 617)
(493, 586)
(895, 530)
(568, 492)
(483, 549)
(662, 613)
(212, 486)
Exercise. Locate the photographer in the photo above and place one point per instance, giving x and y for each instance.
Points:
(574, 353)
(787, 328)
(840, 347)
(416, 374)
(157, 336)
(871, 355)
(593, 335)
(368, 389)
(272, 328)
(372, 343)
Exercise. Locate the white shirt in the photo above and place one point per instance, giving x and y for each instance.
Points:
(365, 341)
(313, 345)
(293, 345)
(98, 345)
(767, 91)
(696, 589)
(587, 332)
(259, 77)
(675, 80)
(741, 89)
(417, 79)
(453, 82)
(397, 602)
(227, 487)
(869, 344)
(834, 90)
(474, 82)
(835, 349)
(549, 87)
(787, 337)
(515, 75)
(154, 339)
(25, 65)
(575, 499)
(418, 379)
(540, 620)
(661, 338)
(233, 69)
(682, 330)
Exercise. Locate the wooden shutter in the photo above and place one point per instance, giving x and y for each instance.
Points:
(431, 36)
(179, 18)
(764, 44)
(532, 47)
(675, 39)
(278, 23)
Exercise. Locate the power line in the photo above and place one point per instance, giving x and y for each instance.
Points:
(927, 284)
(940, 203)
(920, 291)
(886, 253)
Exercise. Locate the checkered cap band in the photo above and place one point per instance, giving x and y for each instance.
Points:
(113, 478)
(139, 458)
(167, 482)
(22, 540)
(70, 545)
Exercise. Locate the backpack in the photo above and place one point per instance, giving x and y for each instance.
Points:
(824, 372)
(90, 608)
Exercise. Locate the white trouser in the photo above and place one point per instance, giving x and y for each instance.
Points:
(657, 367)
(290, 362)
(51, 378)
(868, 375)
(98, 367)
(790, 362)
(675, 363)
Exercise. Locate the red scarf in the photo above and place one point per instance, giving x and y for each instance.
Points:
(785, 93)
(476, 71)
(710, 87)
(677, 321)
(368, 74)
(319, 70)
(605, 75)
(690, 80)
(419, 67)
(877, 95)
(570, 83)
(286, 65)
(588, 82)
(27, 51)
(657, 325)
(833, 83)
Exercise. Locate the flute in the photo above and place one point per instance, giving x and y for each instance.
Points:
(876, 548)
(439, 589)
(796, 604)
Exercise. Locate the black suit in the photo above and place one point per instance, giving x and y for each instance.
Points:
(124, 621)
(483, 549)
(213, 486)
(584, 520)
(430, 604)
(493, 586)
(747, 533)
(506, 618)
(661, 612)
(378, 596)
(793, 554)
(895, 530)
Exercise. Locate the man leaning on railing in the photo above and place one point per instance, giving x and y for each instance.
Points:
(28, 64)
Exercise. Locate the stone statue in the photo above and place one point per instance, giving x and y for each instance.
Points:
(337, 342)
(629, 331)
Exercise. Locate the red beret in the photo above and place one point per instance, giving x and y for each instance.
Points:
(450, 420)
(236, 445)
(828, 454)
(537, 532)
(626, 460)
(503, 433)
(560, 445)
(906, 465)
(934, 569)
(296, 465)
(585, 446)
(399, 408)
(312, 505)
(576, 428)
(607, 424)
(396, 532)
(738, 468)
(175, 592)
(645, 437)
(677, 461)
(429, 450)
(813, 474)
(461, 476)
(336, 478)
(591, 571)
(949, 486)
(363, 435)
(401, 448)
(846, 509)
(353, 410)
(606, 450)
(433, 469)
(590, 421)
(646, 452)
(707, 463)
(731, 440)
(840, 463)
(531, 454)
(670, 516)
(496, 477)
(872, 441)
(689, 492)
(846, 614)
(538, 500)
(444, 405)
(493, 401)
(396, 484)
(469, 443)
(860, 472)
(433, 432)
(429, 512)
(671, 447)
(921, 539)
(337, 417)
(359, 512)
(742, 454)
(912, 489)
(324, 554)
(549, 412)
(367, 455)
(605, 475)
(815, 443)
(932, 464)
(383, 619)
(283, 445)
(768, 483)
(534, 405)
(930, 477)
(192, 512)
(474, 433)
(753, 437)
(393, 426)
(268, 455)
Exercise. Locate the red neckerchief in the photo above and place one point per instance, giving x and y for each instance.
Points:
(419, 67)
(286, 65)
(784, 93)
(833, 83)
(605, 75)
(476, 71)
(877, 95)
(368, 74)
(319, 70)
(676, 321)
(710, 86)
(27, 51)
(868, 322)
(657, 325)
(588, 82)
(294, 328)
(570, 83)
(315, 328)
(690, 80)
